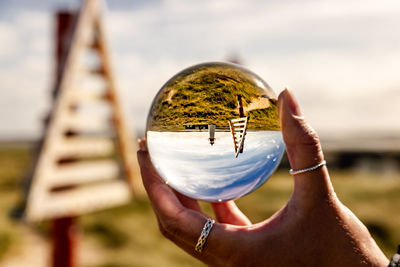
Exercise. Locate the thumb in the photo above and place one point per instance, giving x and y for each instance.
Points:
(303, 149)
(302, 142)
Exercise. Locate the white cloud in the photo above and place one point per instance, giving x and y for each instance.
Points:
(25, 74)
(8, 41)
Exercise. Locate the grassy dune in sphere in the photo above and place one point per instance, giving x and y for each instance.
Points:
(209, 96)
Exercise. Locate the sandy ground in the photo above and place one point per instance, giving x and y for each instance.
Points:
(260, 103)
(170, 95)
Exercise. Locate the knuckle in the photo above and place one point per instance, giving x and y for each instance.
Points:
(169, 226)
(309, 136)
(163, 230)
(305, 141)
(302, 133)
(168, 230)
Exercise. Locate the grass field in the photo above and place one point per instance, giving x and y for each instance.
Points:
(128, 235)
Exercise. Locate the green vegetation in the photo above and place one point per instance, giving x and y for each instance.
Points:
(14, 161)
(129, 235)
(208, 95)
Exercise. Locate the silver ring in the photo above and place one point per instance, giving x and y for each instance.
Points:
(204, 234)
(294, 172)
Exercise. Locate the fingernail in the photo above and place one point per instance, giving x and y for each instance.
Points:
(142, 145)
(291, 102)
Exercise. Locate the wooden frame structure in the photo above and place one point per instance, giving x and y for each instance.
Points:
(87, 160)
(238, 129)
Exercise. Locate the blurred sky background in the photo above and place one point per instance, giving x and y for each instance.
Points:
(340, 57)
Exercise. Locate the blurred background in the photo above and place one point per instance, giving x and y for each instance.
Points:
(340, 58)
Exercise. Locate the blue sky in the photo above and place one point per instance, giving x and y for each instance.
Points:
(341, 58)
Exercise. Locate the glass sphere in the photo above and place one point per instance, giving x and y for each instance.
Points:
(213, 132)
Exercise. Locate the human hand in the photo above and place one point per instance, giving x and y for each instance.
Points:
(313, 229)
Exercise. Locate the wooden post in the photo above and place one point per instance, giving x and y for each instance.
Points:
(65, 239)
(240, 106)
(65, 21)
(241, 115)
(64, 230)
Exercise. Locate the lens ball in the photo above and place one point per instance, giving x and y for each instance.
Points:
(213, 132)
